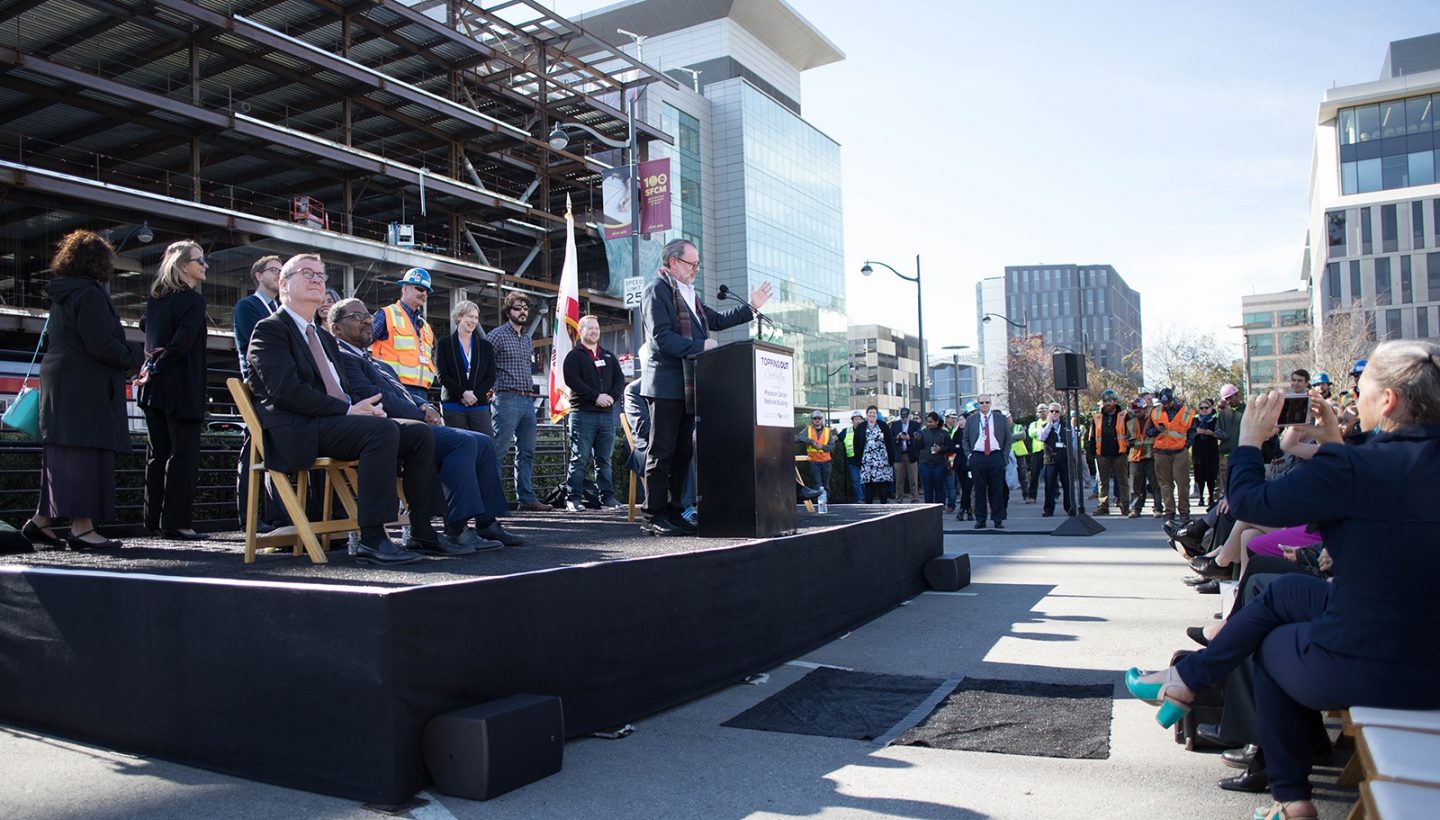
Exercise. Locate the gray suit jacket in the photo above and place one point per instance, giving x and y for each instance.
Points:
(1002, 431)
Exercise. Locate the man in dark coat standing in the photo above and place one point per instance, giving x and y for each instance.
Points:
(677, 328)
(302, 402)
(987, 441)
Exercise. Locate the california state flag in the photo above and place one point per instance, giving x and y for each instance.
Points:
(567, 321)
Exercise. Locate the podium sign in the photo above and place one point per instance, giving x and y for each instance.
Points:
(745, 440)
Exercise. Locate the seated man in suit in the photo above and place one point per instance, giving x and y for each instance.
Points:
(469, 470)
(300, 396)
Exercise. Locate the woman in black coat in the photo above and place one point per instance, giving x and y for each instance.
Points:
(82, 395)
(466, 362)
(172, 391)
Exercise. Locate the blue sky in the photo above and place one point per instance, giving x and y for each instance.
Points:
(1171, 142)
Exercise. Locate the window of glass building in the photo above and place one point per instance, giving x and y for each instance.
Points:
(1417, 224)
(1382, 280)
(1422, 323)
(1332, 286)
(1432, 276)
(1262, 344)
(1355, 291)
(1368, 122)
(1405, 283)
(1294, 342)
(1389, 228)
(1367, 233)
(1291, 318)
(1394, 172)
(1335, 232)
(1393, 328)
(1392, 119)
(1262, 373)
(1367, 173)
(1419, 113)
(1265, 319)
(1421, 170)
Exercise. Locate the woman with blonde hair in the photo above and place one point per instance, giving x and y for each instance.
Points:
(466, 362)
(82, 396)
(172, 390)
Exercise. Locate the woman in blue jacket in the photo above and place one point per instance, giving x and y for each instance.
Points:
(1368, 638)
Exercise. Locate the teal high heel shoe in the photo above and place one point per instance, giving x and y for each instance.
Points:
(1171, 709)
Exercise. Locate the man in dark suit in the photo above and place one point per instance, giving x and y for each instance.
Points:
(677, 328)
(469, 470)
(248, 312)
(306, 413)
(905, 431)
(1060, 444)
(987, 440)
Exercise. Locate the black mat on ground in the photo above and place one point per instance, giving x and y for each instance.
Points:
(1020, 718)
(836, 703)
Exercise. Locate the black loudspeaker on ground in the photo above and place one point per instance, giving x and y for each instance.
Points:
(948, 573)
(485, 751)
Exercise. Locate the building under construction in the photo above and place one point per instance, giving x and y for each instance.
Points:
(382, 134)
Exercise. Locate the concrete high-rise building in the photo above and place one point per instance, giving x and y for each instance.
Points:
(1088, 308)
(1372, 249)
(1277, 337)
(759, 186)
(884, 369)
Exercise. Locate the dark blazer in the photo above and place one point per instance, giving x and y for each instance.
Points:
(289, 391)
(363, 379)
(1375, 507)
(176, 385)
(82, 373)
(972, 431)
(248, 312)
(1065, 435)
(451, 365)
(587, 380)
(664, 373)
(911, 426)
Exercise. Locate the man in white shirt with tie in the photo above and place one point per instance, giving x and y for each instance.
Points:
(987, 439)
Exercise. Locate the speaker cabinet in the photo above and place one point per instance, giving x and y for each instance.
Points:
(948, 573)
(485, 751)
(1070, 371)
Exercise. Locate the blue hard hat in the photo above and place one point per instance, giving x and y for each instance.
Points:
(1321, 378)
(972, 406)
(1358, 368)
(419, 277)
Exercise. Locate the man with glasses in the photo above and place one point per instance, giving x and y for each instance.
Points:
(1059, 440)
(468, 469)
(306, 412)
(515, 395)
(677, 328)
(987, 441)
(248, 312)
(1109, 447)
(403, 339)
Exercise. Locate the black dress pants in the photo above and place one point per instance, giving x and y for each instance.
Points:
(667, 460)
(988, 473)
(1057, 477)
(172, 463)
(375, 444)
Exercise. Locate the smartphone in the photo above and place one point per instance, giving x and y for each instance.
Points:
(1295, 410)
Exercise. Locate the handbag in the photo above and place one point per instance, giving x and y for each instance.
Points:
(23, 414)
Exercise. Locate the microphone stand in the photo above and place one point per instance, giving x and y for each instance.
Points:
(760, 319)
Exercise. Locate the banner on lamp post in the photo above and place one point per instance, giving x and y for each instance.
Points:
(654, 198)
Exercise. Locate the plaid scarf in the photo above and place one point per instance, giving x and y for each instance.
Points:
(687, 329)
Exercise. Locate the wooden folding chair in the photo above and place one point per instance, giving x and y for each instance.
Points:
(339, 481)
(629, 440)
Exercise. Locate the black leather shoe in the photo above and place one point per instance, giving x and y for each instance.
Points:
(385, 553)
(495, 532)
(1211, 587)
(999, 525)
(1049, 514)
(441, 545)
(660, 526)
(176, 535)
(1197, 634)
(1209, 734)
(1239, 758)
(1207, 567)
(1246, 781)
(1194, 580)
(803, 493)
(980, 524)
(37, 536)
(75, 542)
(685, 525)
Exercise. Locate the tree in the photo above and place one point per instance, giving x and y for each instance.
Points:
(1345, 338)
(1194, 364)
(1030, 373)
(1101, 379)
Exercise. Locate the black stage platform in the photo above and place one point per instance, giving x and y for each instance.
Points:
(322, 677)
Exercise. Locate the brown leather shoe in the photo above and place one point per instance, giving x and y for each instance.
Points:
(536, 506)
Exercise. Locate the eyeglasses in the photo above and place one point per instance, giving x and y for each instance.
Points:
(199, 259)
(983, 402)
(1054, 411)
(521, 308)
(312, 275)
(694, 266)
(364, 317)
(271, 269)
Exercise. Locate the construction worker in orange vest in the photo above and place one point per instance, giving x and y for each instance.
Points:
(1109, 447)
(818, 439)
(1171, 424)
(403, 339)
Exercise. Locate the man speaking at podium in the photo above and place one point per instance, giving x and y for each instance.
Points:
(677, 328)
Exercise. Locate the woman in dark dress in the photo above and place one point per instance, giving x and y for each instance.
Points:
(1206, 451)
(466, 362)
(82, 395)
(172, 391)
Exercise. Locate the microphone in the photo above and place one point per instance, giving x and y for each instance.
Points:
(724, 292)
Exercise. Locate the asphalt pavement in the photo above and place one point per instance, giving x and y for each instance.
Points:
(1040, 608)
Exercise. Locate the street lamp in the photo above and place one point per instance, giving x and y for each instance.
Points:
(919, 314)
(559, 140)
(987, 317)
(829, 376)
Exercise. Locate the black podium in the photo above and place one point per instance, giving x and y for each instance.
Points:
(745, 440)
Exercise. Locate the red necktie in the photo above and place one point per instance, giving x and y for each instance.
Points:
(322, 364)
(985, 431)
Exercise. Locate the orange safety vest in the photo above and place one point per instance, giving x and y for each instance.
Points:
(818, 449)
(1173, 429)
(412, 358)
(1120, 419)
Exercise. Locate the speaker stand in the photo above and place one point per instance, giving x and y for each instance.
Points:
(1078, 523)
